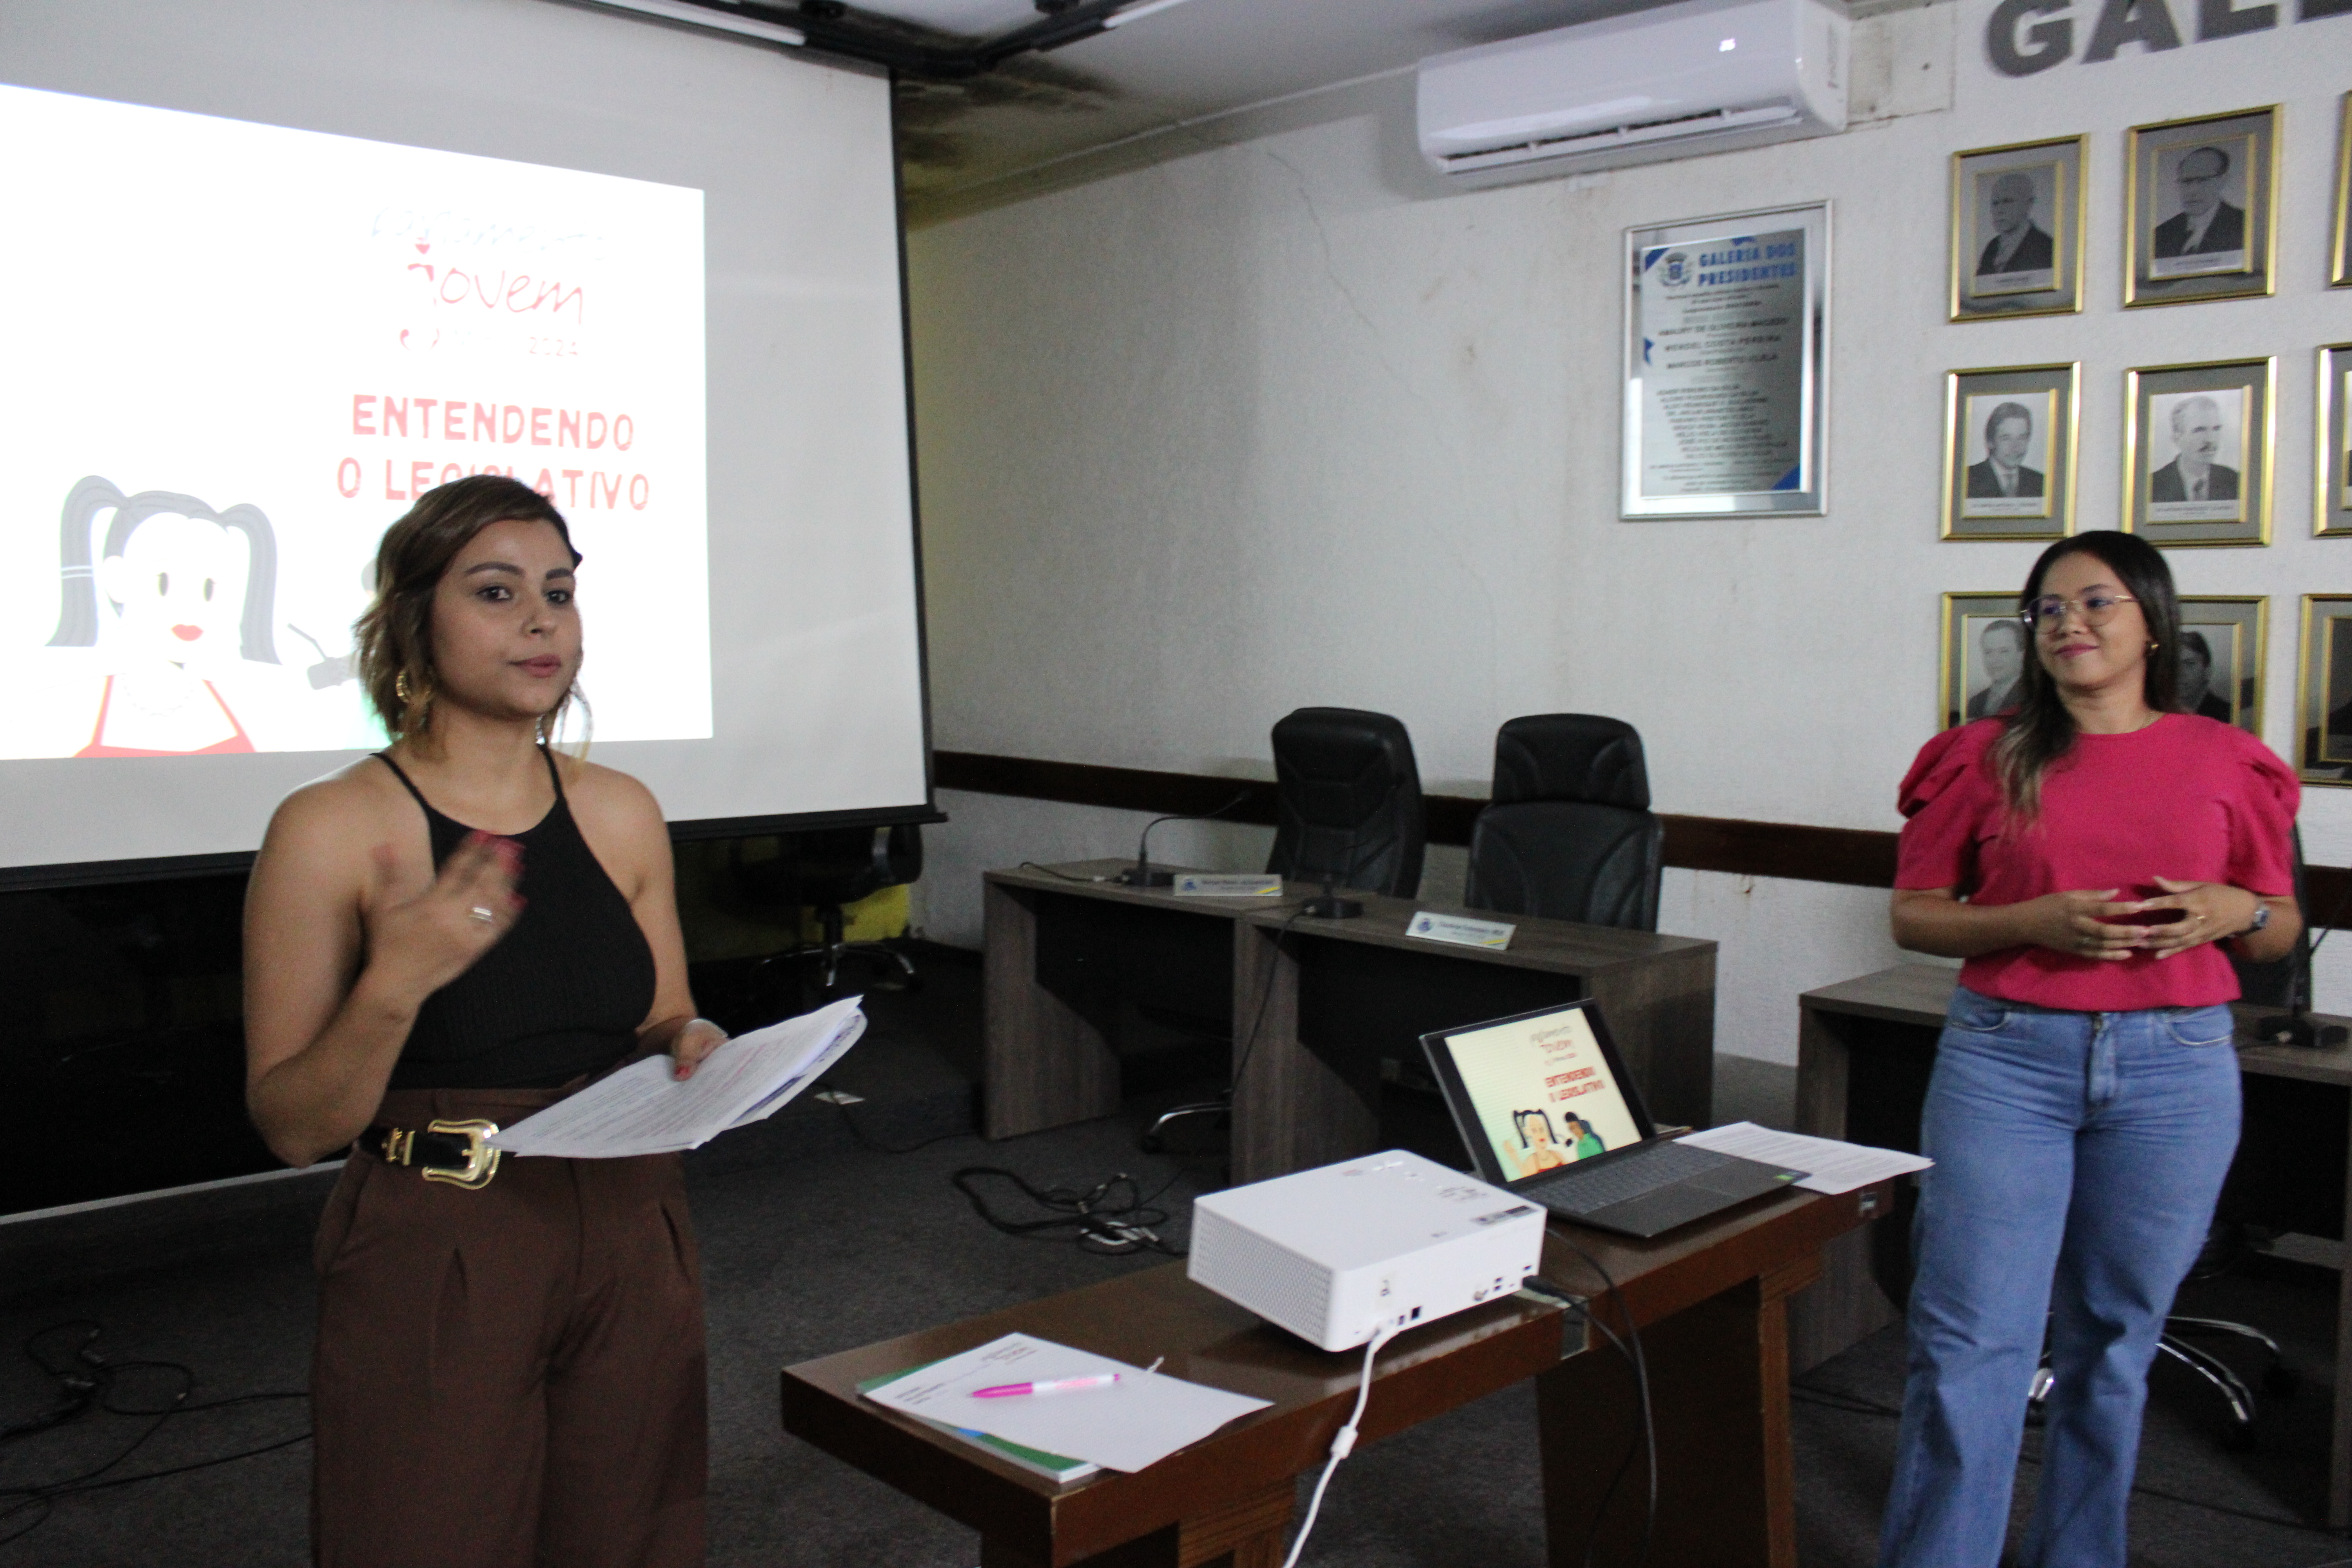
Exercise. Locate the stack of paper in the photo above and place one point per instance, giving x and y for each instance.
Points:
(643, 1110)
(1053, 1466)
(1836, 1167)
(1132, 1423)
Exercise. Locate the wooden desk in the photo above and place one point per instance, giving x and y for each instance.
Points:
(1709, 1302)
(1062, 949)
(1864, 1050)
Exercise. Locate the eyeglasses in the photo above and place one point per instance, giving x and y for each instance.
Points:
(2049, 611)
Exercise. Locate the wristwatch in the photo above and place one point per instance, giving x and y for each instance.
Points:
(2261, 918)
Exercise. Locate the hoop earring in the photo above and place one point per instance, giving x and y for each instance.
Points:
(415, 707)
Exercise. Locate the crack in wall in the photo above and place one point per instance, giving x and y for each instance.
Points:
(1404, 383)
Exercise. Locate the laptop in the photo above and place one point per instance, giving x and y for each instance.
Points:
(1544, 1104)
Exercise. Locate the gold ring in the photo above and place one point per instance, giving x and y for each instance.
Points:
(483, 913)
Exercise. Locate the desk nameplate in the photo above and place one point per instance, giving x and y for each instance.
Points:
(1227, 885)
(1460, 929)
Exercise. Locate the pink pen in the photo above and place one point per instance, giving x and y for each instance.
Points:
(1059, 1386)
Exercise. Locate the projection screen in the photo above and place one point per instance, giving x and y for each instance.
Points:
(282, 265)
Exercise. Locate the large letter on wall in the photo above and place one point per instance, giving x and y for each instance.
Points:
(2222, 19)
(2054, 41)
(2121, 21)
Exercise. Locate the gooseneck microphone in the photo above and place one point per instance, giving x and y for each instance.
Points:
(2296, 1027)
(1328, 905)
(1143, 874)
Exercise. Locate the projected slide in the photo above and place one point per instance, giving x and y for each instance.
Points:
(235, 353)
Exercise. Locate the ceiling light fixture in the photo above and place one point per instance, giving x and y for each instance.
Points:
(834, 29)
(1137, 13)
(708, 19)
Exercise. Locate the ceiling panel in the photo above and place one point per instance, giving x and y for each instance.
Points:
(1202, 58)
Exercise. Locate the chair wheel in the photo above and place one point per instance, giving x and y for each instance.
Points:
(2281, 1382)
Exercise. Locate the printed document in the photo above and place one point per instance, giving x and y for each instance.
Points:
(1133, 1424)
(642, 1109)
(1836, 1167)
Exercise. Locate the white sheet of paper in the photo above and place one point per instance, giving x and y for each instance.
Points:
(1131, 1426)
(642, 1109)
(1836, 1167)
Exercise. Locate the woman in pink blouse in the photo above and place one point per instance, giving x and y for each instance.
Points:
(2087, 855)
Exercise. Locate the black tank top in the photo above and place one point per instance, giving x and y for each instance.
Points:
(562, 993)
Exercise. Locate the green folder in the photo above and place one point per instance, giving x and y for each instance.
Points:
(1053, 1466)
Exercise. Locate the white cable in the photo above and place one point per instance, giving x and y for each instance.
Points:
(1342, 1445)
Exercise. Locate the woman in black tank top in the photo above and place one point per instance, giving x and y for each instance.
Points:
(439, 940)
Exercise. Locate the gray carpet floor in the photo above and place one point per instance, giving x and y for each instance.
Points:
(822, 1243)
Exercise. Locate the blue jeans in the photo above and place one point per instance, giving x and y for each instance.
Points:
(2078, 1156)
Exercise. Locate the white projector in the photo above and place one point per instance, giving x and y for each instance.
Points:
(1336, 1255)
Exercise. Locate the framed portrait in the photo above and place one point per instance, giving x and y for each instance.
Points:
(2009, 438)
(2339, 255)
(1985, 650)
(2196, 452)
(2322, 694)
(2332, 488)
(1727, 321)
(2222, 643)
(2017, 229)
(2201, 209)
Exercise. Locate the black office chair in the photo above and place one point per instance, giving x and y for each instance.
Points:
(1348, 807)
(825, 869)
(1348, 814)
(1568, 834)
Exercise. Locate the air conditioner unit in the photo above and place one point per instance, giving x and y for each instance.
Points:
(1705, 76)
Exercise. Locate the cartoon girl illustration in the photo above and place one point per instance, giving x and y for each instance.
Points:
(1538, 1144)
(191, 590)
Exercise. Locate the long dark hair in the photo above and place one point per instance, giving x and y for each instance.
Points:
(395, 636)
(2041, 731)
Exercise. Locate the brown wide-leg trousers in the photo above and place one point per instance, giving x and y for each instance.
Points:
(510, 1377)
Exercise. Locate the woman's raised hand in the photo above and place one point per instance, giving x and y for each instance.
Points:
(420, 939)
(2078, 923)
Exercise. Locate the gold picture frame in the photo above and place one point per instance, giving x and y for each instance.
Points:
(2323, 690)
(2033, 497)
(2198, 445)
(1974, 678)
(2035, 267)
(2185, 238)
(2339, 269)
(2223, 639)
(2332, 478)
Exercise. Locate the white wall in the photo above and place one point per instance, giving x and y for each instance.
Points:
(1277, 423)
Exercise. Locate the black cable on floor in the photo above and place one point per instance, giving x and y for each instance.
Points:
(87, 1381)
(868, 1141)
(1095, 1217)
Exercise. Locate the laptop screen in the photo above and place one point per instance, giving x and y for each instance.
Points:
(1540, 1090)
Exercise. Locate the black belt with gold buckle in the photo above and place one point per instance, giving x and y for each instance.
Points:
(457, 1152)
